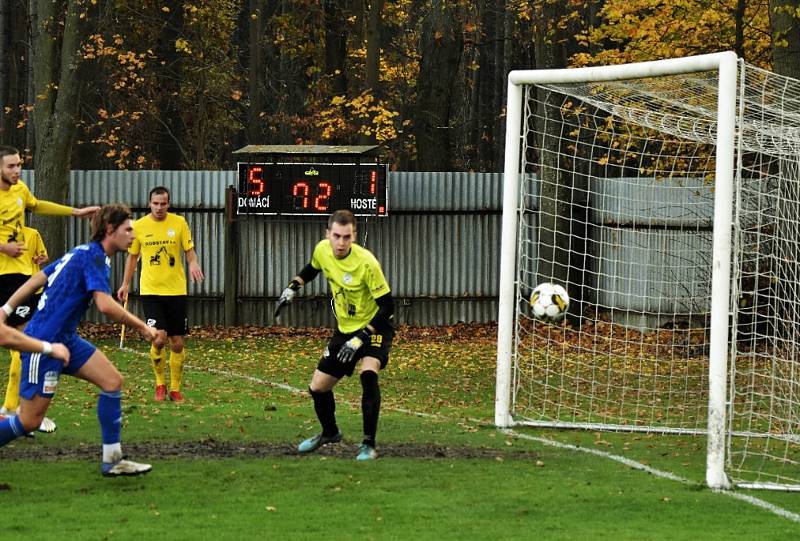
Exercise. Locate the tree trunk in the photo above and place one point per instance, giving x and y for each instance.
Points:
(171, 154)
(5, 70)
(785, 22)
(373, 59)
(335, 46)
(441, 46)
(562, 204)
(255, 69)
(58, 85)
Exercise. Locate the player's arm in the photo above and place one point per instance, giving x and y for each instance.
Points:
(112, 309)
(381, 318)
(195, 272)
(127, 276)
(305, 275)
(13, 339)
(13, 248)
(384, 314)
(48, 208)
(24, 292)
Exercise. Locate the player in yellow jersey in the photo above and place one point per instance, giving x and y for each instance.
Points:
(15, 261)
(36, 253)
(162, 238)
(364, 310)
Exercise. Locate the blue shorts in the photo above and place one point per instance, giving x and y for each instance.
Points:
(40, 372)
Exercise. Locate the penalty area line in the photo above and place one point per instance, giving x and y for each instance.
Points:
(746, 498)
(752, 500)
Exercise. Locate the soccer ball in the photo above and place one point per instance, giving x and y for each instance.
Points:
(549, 302)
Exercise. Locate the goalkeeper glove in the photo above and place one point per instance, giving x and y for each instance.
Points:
(349, 348)
(287, 296)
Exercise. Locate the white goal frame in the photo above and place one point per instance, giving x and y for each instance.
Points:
(726, 65)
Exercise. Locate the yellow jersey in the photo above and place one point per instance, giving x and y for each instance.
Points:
(13, 203)
(161, 246)
(34, 246)
(355, 280)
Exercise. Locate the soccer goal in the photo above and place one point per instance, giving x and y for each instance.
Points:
(665, 197)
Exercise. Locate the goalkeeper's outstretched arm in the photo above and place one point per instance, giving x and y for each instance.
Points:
(307, 274)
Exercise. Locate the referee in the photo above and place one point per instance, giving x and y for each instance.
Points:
(364, 310)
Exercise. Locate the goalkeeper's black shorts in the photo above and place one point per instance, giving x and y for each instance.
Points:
(379, 346)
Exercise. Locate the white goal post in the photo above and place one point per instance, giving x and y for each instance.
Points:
(628, 184)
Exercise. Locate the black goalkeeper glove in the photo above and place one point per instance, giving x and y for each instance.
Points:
(349, 348)
(287, 296)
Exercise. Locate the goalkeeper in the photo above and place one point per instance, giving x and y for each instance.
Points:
(364, 310)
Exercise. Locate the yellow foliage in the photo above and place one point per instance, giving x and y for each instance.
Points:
(642, 30)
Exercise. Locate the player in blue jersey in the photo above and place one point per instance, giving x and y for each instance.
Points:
(78, 277)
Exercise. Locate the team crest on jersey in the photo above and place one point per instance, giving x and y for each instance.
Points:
(170, 232)
(347, 278)
(50, 382)
(19, 202)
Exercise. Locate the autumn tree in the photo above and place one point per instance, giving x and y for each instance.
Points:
(785, 25)
(441, 43)
(57, 47)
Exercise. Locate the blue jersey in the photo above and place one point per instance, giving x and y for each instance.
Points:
(71, 282)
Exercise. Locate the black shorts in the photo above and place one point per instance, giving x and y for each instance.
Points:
(379, 346)
(166, 313)
(23, 313)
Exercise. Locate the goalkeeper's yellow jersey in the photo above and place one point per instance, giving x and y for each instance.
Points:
(161, 246)
(355, 280)
(13, 203)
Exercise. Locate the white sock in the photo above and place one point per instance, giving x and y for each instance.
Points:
(112, 452)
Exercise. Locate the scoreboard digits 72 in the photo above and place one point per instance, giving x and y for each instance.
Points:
(312, 188)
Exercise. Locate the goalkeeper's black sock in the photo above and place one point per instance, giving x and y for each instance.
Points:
(325, 407)
(370, 405)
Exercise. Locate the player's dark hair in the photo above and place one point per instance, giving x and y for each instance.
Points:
(158, 190)
(342, 217)
(6, 150)
(114, 214)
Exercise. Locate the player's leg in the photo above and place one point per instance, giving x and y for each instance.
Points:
(38, 384)
(321, 390)
(11, 403)
(370, 406)
(376, 356)
(12, 388)
(155, 317)
(177, 326)
(177, 357)
(31, 413)
(99, 370)
(329, 371)
(19, 318)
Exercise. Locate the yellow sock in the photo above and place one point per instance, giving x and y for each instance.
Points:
(14, 373)
(176, 369)
(157, 357)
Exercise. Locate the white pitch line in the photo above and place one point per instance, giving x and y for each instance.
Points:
(752, 500)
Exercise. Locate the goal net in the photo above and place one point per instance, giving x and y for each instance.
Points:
(665, 197)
